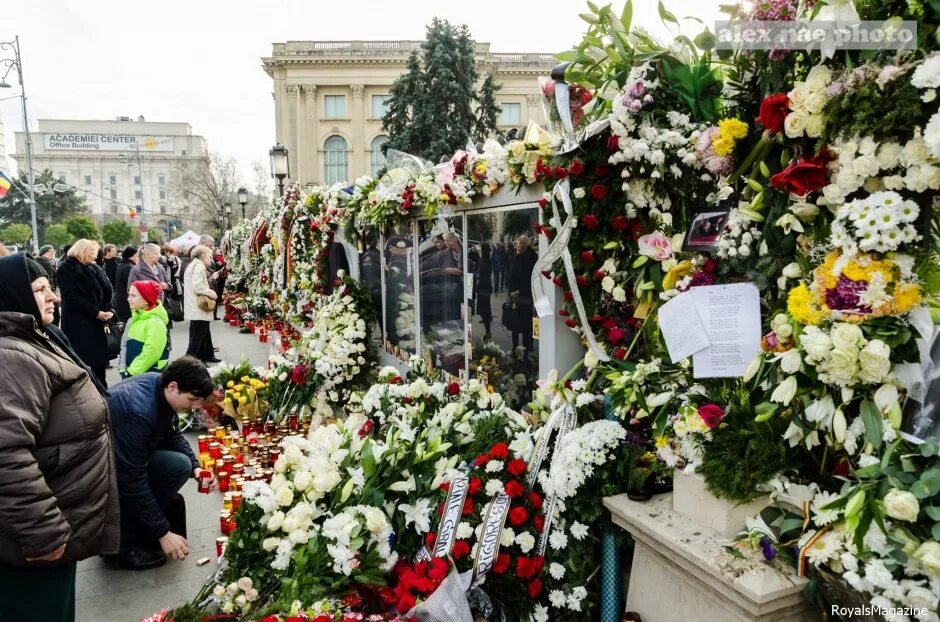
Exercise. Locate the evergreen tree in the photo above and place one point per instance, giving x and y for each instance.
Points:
(117, 232)
(82, 227)
(51, 207)
(406, 93)
(487, 111)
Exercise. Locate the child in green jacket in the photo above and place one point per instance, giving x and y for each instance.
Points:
(146, 345)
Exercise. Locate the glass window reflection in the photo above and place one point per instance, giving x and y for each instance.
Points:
(399, 288)
(441, 282)
(370, 273)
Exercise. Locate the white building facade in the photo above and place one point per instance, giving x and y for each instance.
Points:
(4, 166)
(122, 167)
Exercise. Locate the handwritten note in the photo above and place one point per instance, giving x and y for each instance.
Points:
(730, 315)
(681, 327)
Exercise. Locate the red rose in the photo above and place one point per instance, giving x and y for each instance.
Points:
(499, 451)
(513, 488)
(587, 256)
(563, 312)
(501, 565)
(461, 549)
(571, 322)
(543, 202)
(773, 111)
(474, 486)
(557, 281)
(599, 275)
(613, 143)
(366, 428)
(841, 469)
(596, 318)
(535, 500)
(590, 222)
(298, 375)
(517, 516)
(481, 460)
(523, 567)
(803, 175)
(539, 522)
(453, 388)
(602, 170)
(598, 192)
(576, 167)
(445, 486)
(535, 588)
(620, 223)
(711, 414)
(568, 296)
(609, 323)
(710, 265)
(581, 280)
(614, 335)
(559, 172)
(620, 354)
(516, 467)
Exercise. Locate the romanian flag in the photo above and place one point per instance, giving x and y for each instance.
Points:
(5, 184)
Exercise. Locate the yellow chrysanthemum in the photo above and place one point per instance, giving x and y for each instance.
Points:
(230, 384)
(906, 297)
(732, 128)
(722, 146)
(662, 441)
(803, 307)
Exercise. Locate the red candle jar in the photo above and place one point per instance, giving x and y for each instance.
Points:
(203, 443)
(224, 481)
(263, 337)
(273, 456)
(220, 544)
(227, 463)
(215, 450)
(236, 500)
(219, 464)
(205, 482)
(225, 523)
(292, 421)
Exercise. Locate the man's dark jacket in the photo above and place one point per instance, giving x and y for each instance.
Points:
(142, 422)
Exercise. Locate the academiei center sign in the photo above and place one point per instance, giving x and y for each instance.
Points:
(107, 142)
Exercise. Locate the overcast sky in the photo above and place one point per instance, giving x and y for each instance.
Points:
(198, 61)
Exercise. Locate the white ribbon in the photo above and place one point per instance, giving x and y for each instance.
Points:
(566, 422)
(559, 249)
(488, 545)
(562, 101)
(453, 510)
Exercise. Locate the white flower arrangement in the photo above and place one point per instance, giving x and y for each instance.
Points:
(579, 453)
(883, 221)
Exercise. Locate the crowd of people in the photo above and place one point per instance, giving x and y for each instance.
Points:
(86, 469)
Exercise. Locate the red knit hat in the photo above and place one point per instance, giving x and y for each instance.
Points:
(150, 291)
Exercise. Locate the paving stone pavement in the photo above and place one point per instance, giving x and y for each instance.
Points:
(104, 594)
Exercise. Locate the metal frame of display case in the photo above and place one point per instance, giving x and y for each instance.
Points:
(558, 347)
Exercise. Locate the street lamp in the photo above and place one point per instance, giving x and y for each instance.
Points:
(280, 166)
(10, 63)
(228, 215)
(243, 199)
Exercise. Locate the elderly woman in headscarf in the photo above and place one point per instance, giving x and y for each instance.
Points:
(58, 486)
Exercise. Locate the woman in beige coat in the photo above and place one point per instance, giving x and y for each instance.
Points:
(196, 283)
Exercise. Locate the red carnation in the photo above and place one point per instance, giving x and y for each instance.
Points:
(539, 522)
(613, 143)
(499, 451)
(563, 312)
(445, 486)
(474, 486)
(587, 256)
(557, 281)
(559, 172)
(804, 175)
(395, 380)
(467, 506)
(620, 222)
(710, 265)
(535, 588)
(481, 460)
(609, 323)
(535, 500)
(599, 192)
(620, 354)
(323, 617)
(599, 275)
(298, 375)
(773, 111)
(453, 388)
(711, 414)
(518, 516)
(461, 549)
(516, 467)
(596, 318)
(571, 322)
(501, 565)
(615, 335)
(430, 539)
(581, 280)
(576, 167)
(513, 488)
(590, 222)
(438, 568)
(543, 202)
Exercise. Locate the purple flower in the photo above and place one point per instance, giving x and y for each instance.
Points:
(845, 295)
(767, 548)
(771, 339)
(702, 278)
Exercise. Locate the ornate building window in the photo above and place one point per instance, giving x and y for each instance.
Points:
(378, 158)
(336, 161)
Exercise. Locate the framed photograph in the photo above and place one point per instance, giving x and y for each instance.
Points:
(705, 230)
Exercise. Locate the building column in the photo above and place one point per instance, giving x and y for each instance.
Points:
(295, 135)
(533, 111)
(312, 135)
(357, 155)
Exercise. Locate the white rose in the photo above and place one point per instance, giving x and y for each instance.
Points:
(874, 361)
(846, 335)
(285, 496)
(928, 554)
(620, 295)
(792, 271)
(797, 97)
(818, 78)
(244, 584)
(303, 480)
(578, 193)
(795, 123)
(815, 103)
(270, 544)
(843, 366)
(816, 344)
(608, 284)
(275, 522)
(901, 505)
(814, 125)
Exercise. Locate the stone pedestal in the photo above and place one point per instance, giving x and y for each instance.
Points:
(691, 498)
(681, 572)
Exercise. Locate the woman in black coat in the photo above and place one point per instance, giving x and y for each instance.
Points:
(124, 264)
(520, 292)
(86, 305)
